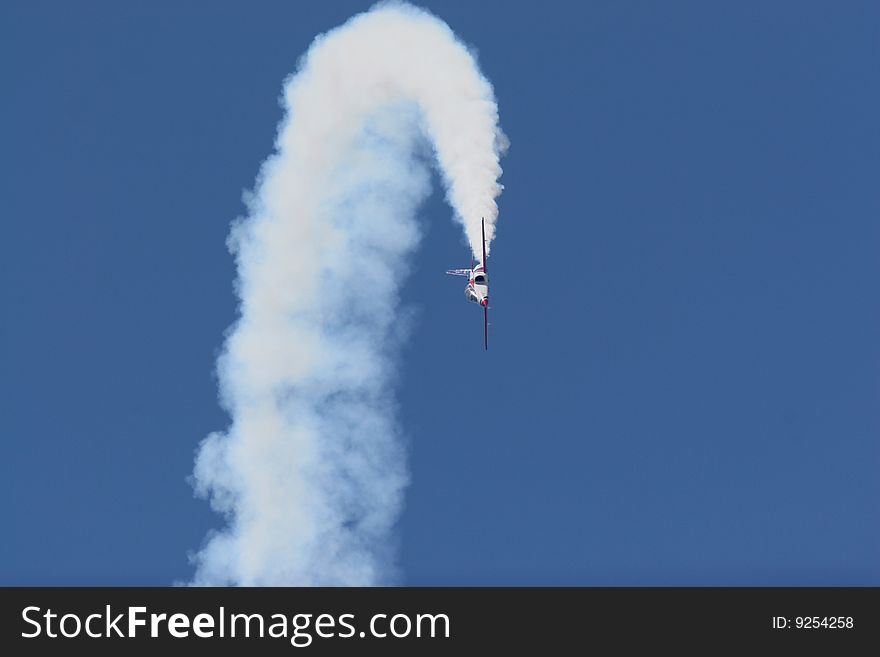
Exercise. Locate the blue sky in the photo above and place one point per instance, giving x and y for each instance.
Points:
(683, 385)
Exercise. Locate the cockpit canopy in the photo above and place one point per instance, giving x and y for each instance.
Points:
(481, 279)
(471, 295)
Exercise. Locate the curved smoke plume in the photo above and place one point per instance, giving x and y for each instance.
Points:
(311, 471)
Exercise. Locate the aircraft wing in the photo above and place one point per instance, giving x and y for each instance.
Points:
(459, 272)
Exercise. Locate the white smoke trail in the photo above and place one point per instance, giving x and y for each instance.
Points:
(310, 473)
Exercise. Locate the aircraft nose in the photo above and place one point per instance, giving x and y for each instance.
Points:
(484, 302)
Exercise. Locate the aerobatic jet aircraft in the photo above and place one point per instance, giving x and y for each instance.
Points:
(477, 289)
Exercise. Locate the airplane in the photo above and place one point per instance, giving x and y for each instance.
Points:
(477, 289)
